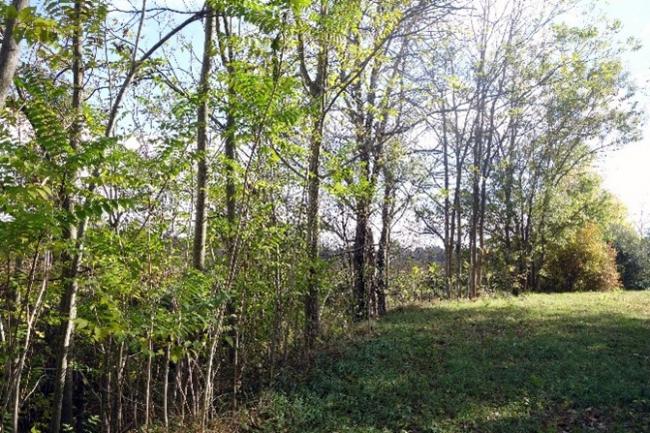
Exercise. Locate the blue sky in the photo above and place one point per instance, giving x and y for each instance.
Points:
(626, 171)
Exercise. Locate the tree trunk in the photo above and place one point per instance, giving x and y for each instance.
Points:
(312, 319)
(317, 91)
(459, 238)
(166, 386)
(474, 219)
(200, 221)
(383, 250)
(9, 51)
(361, 310)
(231, 227)
(359, 261)
(67, 411)
(105, 403)
(70, 259)
(117, 407)
(371, 274)
(147, 387)
(448, 230)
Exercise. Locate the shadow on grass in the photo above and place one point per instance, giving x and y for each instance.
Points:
(488, 369)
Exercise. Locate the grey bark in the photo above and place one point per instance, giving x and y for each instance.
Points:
(200, 221)
(9, 51)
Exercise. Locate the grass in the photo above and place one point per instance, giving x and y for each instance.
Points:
(539, 363)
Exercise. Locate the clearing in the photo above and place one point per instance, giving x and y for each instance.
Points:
(537, 363)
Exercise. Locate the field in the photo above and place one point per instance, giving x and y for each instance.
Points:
(537, 363)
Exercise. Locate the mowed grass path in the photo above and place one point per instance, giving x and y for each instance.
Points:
(538, 363)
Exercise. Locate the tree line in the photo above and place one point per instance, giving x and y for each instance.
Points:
(193, 199)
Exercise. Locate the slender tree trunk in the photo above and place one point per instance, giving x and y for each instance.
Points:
(118, 384)
(359, 261)
(459, 237)
(363, 217)
(474, 218)
(383, 250)
(317, 91)
(231, 221)
(70, 260)
(312, 319)
(106, 391)
(371, 274)
(200, 220)
(509, 211)
(448, 231)
(9, 51)
(67, 411)
(147, 388)
(481, 235)
(166, 386)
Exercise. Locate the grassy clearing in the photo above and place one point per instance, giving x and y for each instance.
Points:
(539, 363)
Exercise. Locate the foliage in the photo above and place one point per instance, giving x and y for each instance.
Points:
(585, 262)
(632, 257)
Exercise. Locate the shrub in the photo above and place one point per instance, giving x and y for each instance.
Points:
(584, 262)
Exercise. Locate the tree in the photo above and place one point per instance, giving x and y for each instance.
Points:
(71, 259)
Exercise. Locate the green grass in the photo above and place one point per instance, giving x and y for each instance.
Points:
(539, 363)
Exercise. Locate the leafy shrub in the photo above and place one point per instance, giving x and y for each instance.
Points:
(584, 262)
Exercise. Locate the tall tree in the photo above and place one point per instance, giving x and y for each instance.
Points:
(72, 234)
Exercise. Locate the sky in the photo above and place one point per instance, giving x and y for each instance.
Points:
(626, 171)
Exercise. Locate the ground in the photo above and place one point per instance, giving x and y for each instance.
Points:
(536, 363)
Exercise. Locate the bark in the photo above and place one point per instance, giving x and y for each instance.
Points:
(317, 90)
(105, 403)
(312, 319)
(226, 52)
(200, 220)
(383, 249)
(477, 165)
(166, 386)
(365, 127)
(371, 274)
(362, 211)
(231, 220)
(359, 261)
(117, 407)
(458, 226)
(448, 230)
(70, 259)
(67, 411)
(147, 390)
(9, 51)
